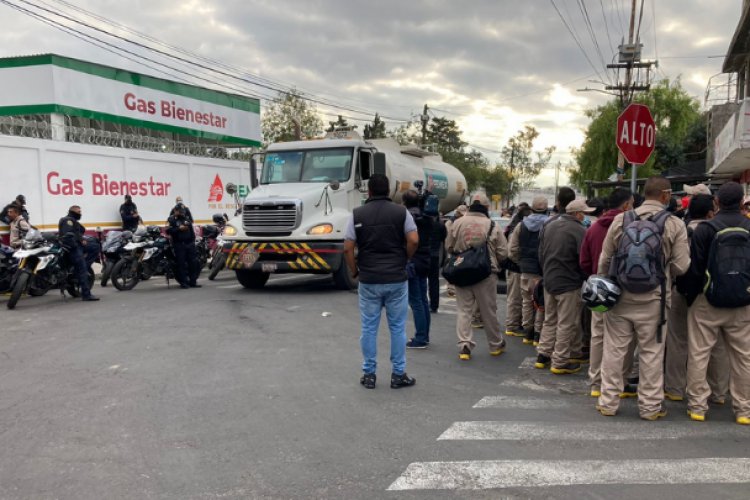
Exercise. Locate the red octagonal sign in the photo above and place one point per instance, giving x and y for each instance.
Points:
(636, 133)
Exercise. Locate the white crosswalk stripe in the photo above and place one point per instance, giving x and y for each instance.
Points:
(523, 403)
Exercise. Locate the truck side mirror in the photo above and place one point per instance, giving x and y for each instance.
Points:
(380, 163)
(253, 173)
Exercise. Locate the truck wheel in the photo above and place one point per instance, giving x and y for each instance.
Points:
(252, 280)
(22, 281)
(343, 280)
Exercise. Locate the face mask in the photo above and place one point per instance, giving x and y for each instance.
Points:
(586, 222)
(74, 215)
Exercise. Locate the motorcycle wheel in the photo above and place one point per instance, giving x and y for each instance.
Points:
(217, 264)
(74, 289)
(22, 282)
(106, 272)
(202, 258)
(37, 292)
(125, 274)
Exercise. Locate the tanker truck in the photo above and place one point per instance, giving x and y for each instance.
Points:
(294, 219)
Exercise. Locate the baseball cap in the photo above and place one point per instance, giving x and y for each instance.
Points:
(539, 204)
(697, 189)
(579, 205)
(481, 199)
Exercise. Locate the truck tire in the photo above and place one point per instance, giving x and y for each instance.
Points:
(19, 287)
(343, 280)
(252, 280)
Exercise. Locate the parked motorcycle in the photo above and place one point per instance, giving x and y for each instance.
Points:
(147, 255)
(8, 266)
(113, 249)
(43, 265)
(218, 257)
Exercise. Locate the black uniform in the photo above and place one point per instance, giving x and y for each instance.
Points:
(183, 242)
(129, 218)
(71, 232)
(437, 241)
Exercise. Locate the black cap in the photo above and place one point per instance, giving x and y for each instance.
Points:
(730, 194)
(21, 198)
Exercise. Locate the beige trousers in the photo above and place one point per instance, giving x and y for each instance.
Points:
(531, 319)
(705, 325)
(676, 357)
(484, 295)
(597, 349)
(625, 323)
(514, 311)
(561, 333)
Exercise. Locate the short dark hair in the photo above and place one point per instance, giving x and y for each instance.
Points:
(564, 196)
(638, 199)
(655, 186)
(379, 185)
(14, 207)
(74, 206)
(411, 199)
(618, 197)
(597, 203)
(730, 196)
(700, 205)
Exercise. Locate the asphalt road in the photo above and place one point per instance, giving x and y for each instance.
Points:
(221, 392)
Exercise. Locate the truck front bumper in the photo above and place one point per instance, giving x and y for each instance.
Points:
(285, 257)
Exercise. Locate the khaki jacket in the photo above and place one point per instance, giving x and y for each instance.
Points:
(674, 245)
(18, 228)
(471, 231)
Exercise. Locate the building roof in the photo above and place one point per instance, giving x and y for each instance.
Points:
(739, 49)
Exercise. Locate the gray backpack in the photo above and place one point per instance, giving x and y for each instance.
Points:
(638, 264)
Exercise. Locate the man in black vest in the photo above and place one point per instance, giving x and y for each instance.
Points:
(80, 251)
(180, 228)
(386, 238)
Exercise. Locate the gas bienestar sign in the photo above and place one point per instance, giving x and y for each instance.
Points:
(54, 84)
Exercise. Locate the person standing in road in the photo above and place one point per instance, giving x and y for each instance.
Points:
(70, 231)
(418, 268)
(473, 230)
(437, 240)
(620, 200)
(18, 226)
(559, 254)
(129, 214)
(514, 299)
(386, 237)
(640, 315)
(460, 212)
(720, 251)
(180, 228)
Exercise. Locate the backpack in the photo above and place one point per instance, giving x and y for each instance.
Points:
(638, 264)
(728, 267)
(431, 205)
(470, 266)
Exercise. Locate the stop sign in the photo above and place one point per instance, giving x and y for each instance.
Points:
(636, 133)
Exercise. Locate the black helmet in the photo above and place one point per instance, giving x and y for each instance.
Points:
(218, 219)
(600, 293)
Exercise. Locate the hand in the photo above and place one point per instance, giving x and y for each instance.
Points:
(84, 242)
(183, 228)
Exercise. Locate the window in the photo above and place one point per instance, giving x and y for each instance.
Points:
(316, 165)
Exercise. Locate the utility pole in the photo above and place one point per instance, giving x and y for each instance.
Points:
(510, 181)
(425, 120)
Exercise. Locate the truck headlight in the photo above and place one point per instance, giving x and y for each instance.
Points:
(230, 230)
(321, 229)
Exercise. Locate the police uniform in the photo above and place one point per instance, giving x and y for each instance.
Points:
(71, 232)
(183, 243)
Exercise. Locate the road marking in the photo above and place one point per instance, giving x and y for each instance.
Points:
(527, 384)
(613, 430)
(522, 402)
(227, 287)
(478, 475)
(527, 363)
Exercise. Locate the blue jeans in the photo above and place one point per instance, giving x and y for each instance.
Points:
(420, 308)
(372, 299)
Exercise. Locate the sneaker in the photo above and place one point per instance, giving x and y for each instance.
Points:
(413, 344)
(513, 333)
(630, 391)
(542, 361)
(477, 324)
(697, 417)
(595, 392)
(673, 397)
(743, 420)
(368, 380)
(498, 351)
(655, 416)
(403, 380)
(566, 369)
(605, 412)
(465, 354)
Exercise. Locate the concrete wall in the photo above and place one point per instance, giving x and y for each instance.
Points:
(718, 118)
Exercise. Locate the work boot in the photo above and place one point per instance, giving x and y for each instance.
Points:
(529, 337)
(89, 298)
(465, 354)
(403, 380)
(542, 361)
(536, 338)
(655, 416)
(566, 369)
(629, 391)
(368, 380)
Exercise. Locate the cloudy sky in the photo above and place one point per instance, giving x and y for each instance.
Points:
(492, 65)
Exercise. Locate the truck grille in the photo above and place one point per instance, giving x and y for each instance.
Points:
(271, 217)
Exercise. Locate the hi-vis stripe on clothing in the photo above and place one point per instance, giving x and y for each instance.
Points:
(301, 256)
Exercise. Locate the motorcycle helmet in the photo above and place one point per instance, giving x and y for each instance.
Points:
(537, 296)
(153, 231)
(218, 219)
(600, 293)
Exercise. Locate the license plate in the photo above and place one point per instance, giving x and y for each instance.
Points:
(269, 267)
(248, 257)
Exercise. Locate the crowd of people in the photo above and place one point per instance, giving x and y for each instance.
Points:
(651, 292)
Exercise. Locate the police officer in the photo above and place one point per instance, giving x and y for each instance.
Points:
(81, 252)
(129, 214)
(183, 241)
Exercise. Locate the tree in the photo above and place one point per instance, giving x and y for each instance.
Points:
(376, 129)
(677, 119)
(521, 164)
(404, 134)
(278, 123)
(445, 136)
(341, 122)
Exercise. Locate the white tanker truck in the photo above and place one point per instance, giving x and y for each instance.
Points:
(294, 219)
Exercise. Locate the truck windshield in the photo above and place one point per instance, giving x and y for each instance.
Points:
(315, 165)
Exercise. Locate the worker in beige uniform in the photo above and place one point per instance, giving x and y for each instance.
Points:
(720, 251)
(524, 251)
(686, 290)
(639, 315)
(469, 231)
(559, 251)
(460, 212)
(513, 298)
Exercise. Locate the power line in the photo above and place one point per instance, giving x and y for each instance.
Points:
(592, 34)
(606, 26)
(576, 39)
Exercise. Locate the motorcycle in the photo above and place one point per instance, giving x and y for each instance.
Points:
(147, 255)
(218, 257)
(113, 250)
(44, 265)
(8, 266)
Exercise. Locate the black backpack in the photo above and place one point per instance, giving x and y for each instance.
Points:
(728, 267)
(470, 266)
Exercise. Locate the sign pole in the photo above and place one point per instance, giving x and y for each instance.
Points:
(633, 177)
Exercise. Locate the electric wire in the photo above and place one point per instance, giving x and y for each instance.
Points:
(576, 40)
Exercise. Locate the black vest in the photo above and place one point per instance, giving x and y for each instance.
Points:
(381, 242)
(529, 242)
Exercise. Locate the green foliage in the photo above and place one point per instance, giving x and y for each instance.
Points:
(445, 136)
(519, 163)
(376, 129)
(405, 134)
(678, 123)
(341, 122)
(278, 119)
